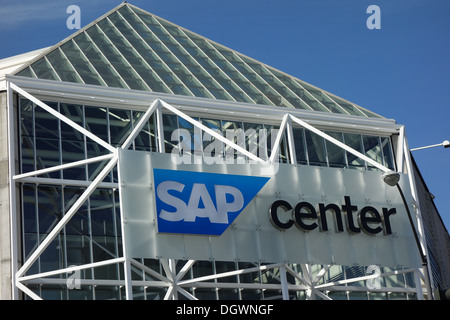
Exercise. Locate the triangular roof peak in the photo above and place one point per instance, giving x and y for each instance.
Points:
(134, 49)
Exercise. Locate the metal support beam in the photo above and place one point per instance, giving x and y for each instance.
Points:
(62, 118)
(55, 231)
(12, 188)
(212, 132)
(339, 144)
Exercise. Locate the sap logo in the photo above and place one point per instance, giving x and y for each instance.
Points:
(201, 203)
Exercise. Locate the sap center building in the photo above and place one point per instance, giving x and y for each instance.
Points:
(140, 160)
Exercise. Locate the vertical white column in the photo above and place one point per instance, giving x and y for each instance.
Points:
(284, 283)
(160, 128)
(123, 222)
(12, 189)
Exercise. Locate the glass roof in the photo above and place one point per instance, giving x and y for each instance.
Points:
(133, 49)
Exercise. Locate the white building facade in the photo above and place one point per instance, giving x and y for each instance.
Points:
(142, 161)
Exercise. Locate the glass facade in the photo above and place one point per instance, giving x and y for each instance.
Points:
(94, 233)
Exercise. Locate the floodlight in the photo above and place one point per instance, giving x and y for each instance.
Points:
(391, 178)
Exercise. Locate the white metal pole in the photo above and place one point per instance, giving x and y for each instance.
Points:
(284, 283)
(12, 190)
(291, 143)
(276, 144)
(160, 128)
(426, 147)
(123, 222)
(71, 269)
(412, 182)
(63, 166)
(400, 154)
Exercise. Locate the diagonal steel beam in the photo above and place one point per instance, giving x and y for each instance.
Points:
(46, 242)
(62, 118)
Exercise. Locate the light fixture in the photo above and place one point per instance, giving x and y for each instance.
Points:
(445, 144)
(391, 178)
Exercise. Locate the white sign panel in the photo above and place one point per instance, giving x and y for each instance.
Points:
(257, 213)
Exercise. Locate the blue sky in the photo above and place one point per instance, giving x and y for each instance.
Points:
(401, 71)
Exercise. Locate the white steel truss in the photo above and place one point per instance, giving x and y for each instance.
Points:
(306, 279)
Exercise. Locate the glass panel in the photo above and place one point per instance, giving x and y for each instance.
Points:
(96, 121)
(79, 224)
(280, 91)
(30, 223)
(255, 139)
(369, 113)
(43, 70)
(228, 294)
(146, 139)
(27, 135)
(305, 95)
(377, 295)
(336, 155)
(76, 114)
(53, 256)
(48, 155)
(120, 125)
(94, 150)
(102, 213)
(272, 132)
(46, 125)
(26, 73)
(206, 294)
(387, 153)
(316, 149)
(26, 116)
(354, 141)
(338, 295)
(272, 97)
(347, 106)
(77, 231)
(140, 47)
(234, 131)
(73, 151)
(194, 145)
(82, 66)
(357, 295)
(171, 67)
(222, 267)
(299, 141)
(102, 65)
(323, 99)
(230, 71)
(72, 141)
(126, 55)
(170, 125)
(63, 67)
(373, 150)
(203, 268)
(211, 147)
(49, 207)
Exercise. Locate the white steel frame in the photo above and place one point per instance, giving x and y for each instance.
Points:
(175, 282)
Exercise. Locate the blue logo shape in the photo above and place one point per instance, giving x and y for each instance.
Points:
(204, 203)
